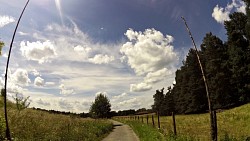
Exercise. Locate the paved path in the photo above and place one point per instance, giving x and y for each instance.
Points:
(121, 132)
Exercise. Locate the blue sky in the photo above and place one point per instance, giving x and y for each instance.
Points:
(66, 52)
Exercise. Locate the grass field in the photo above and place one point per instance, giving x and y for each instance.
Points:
(30, 125)
(233, 125)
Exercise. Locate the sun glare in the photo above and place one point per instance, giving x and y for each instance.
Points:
(59, 8)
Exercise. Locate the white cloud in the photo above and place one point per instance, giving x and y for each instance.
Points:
(104, 93)
(35, 72)
(39, 82)
(84, 51)
(140, 87)
(50, 83)
(133, 102)
(120, 96)
(101, 59)
(20, 76)
(43, 102)
(38, 51)
(148, 51)
(5, 20)
(22, 33)
(65, 91)
(221, 14)
(154, 77)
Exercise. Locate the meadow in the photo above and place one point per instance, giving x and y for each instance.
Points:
(233, 125)
(29, 125)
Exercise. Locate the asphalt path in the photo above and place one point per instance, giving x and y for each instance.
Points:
(121, 132)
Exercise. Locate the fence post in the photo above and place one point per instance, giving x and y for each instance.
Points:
(153, 121)
(142, 119)
(173, 116)
(147, 119)
(158, 116)
(215, 131)
(138, 117)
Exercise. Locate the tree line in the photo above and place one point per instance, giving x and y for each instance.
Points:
(227, 69)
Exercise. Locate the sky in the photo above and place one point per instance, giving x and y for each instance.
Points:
(66, 52)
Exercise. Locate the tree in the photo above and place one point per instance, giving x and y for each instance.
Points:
(217, 72)
(159, 102)
(101, 107)
(239, 58)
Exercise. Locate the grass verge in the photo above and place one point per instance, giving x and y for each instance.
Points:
(29, 125)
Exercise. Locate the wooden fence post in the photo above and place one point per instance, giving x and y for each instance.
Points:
(158, 117)
(147, 119)
(153, 121)
(174, 125)
(215, 131)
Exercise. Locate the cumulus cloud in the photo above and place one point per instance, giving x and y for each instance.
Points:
(5, 20)
(35, 72)
(221, 14)
(20, 76)
(148, 51)
(16, 81)
(154, 77)
(102, 59)
(65, 91)
(84, 51)
(39, 82)
(38, 51)
(140, 87)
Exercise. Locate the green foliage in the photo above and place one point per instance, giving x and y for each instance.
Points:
(145, 132)
(2, 92)
(163, 103)
(21, 102)
(226, 67)
(159, 102)
(101, 107)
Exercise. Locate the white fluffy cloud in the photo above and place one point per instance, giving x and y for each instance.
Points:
(35, 72)
(84, 51)
(102, 59)
(5, 20)
(39, 81)
(154, 77)
(140, 87)
(38, 51)
(148, 51)
(221, 14)
(65, 91)
(20, 76)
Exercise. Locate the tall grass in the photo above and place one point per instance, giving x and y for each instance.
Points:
(233, 125)
(38, 125)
